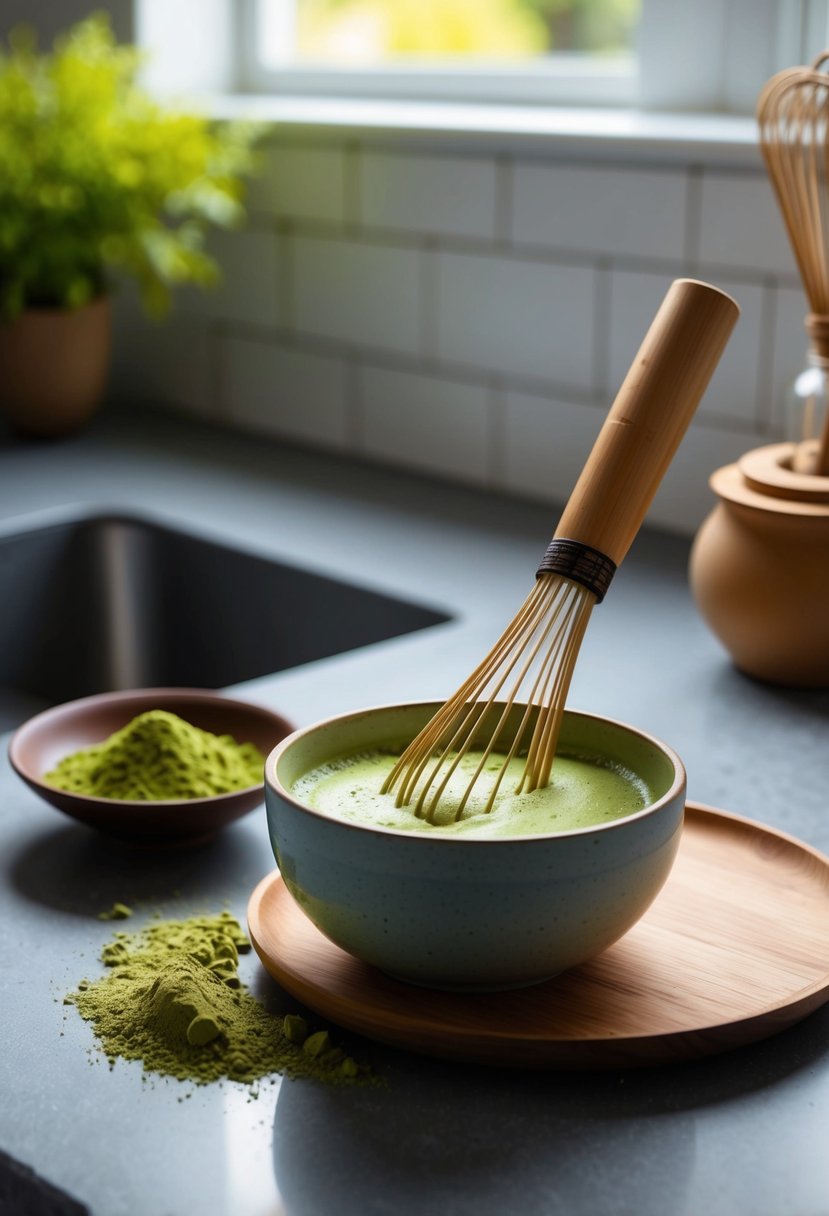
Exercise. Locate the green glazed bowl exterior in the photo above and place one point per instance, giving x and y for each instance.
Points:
(454, 912)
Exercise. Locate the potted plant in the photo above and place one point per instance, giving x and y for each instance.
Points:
(97, 180)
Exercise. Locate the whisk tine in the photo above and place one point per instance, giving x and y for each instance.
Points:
(538, 649)
(548, 679)
(540, 761)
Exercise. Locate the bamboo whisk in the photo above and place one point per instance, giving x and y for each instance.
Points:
(535, 656)
(793, 116)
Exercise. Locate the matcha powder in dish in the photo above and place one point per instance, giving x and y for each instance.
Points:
(173, 999)
(156, 757)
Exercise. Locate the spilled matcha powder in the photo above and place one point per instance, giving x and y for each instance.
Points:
(174, 1000)
(118, 911)
(159, 756)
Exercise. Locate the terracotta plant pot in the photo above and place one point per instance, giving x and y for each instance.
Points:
(759, 568)
(53, 367)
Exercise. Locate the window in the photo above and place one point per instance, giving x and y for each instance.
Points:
(370, 33)
(680, 55)
(575, 50)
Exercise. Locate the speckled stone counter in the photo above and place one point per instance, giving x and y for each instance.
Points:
(739, 1135)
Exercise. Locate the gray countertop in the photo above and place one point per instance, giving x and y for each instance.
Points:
(742, 1133)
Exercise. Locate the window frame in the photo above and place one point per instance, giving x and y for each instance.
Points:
(703, 57)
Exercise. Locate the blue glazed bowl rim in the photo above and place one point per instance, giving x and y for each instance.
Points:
(273, 785)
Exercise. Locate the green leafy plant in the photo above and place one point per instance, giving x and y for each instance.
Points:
(97, 177)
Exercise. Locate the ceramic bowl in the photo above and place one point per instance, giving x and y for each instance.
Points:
(41, 742)
(460, 913)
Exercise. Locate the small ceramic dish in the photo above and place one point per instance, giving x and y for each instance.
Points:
(464, 913)
(37, 746)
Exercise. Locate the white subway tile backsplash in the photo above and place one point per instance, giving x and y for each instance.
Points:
(426, 423)
(740, 224)
(428, 194)
(737, 393)
(481, 322)
(279, 390)
(529, 319)
(357, 293)
(248, 291)
(301, 183)
(596, 209)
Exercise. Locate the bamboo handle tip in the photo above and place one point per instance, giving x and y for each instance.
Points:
(691, 286)
(649, 416)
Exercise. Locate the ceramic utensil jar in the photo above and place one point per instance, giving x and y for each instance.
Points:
(759, 568)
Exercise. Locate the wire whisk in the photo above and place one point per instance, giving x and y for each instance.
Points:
(793, 117)
(529, 669)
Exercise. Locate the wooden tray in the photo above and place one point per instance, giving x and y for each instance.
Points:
(735, 948)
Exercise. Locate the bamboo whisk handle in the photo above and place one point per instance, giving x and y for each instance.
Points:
(649, 417)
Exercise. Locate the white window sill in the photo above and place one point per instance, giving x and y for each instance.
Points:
(609, 133)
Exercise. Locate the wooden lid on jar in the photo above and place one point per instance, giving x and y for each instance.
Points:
(765, 478)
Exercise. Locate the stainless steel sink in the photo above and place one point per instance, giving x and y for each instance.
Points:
(107, 602)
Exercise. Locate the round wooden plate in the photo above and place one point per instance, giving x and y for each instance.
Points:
(734, 949)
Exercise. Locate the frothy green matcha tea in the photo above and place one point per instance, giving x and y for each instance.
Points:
(583, 791)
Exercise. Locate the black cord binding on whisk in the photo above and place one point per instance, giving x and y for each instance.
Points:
(573, 560)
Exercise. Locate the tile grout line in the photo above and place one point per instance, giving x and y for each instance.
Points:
(452, 373)
(602, 321)
(764, 373)
(497, 440)
(285, 286)
(693, 216)
(504, 200)
(220, 405)
(428, 305)
(352, 208)
(409, 240)
(354, 406)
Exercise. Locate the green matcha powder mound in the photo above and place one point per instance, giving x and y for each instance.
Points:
(159, 756)
(174, 1000)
